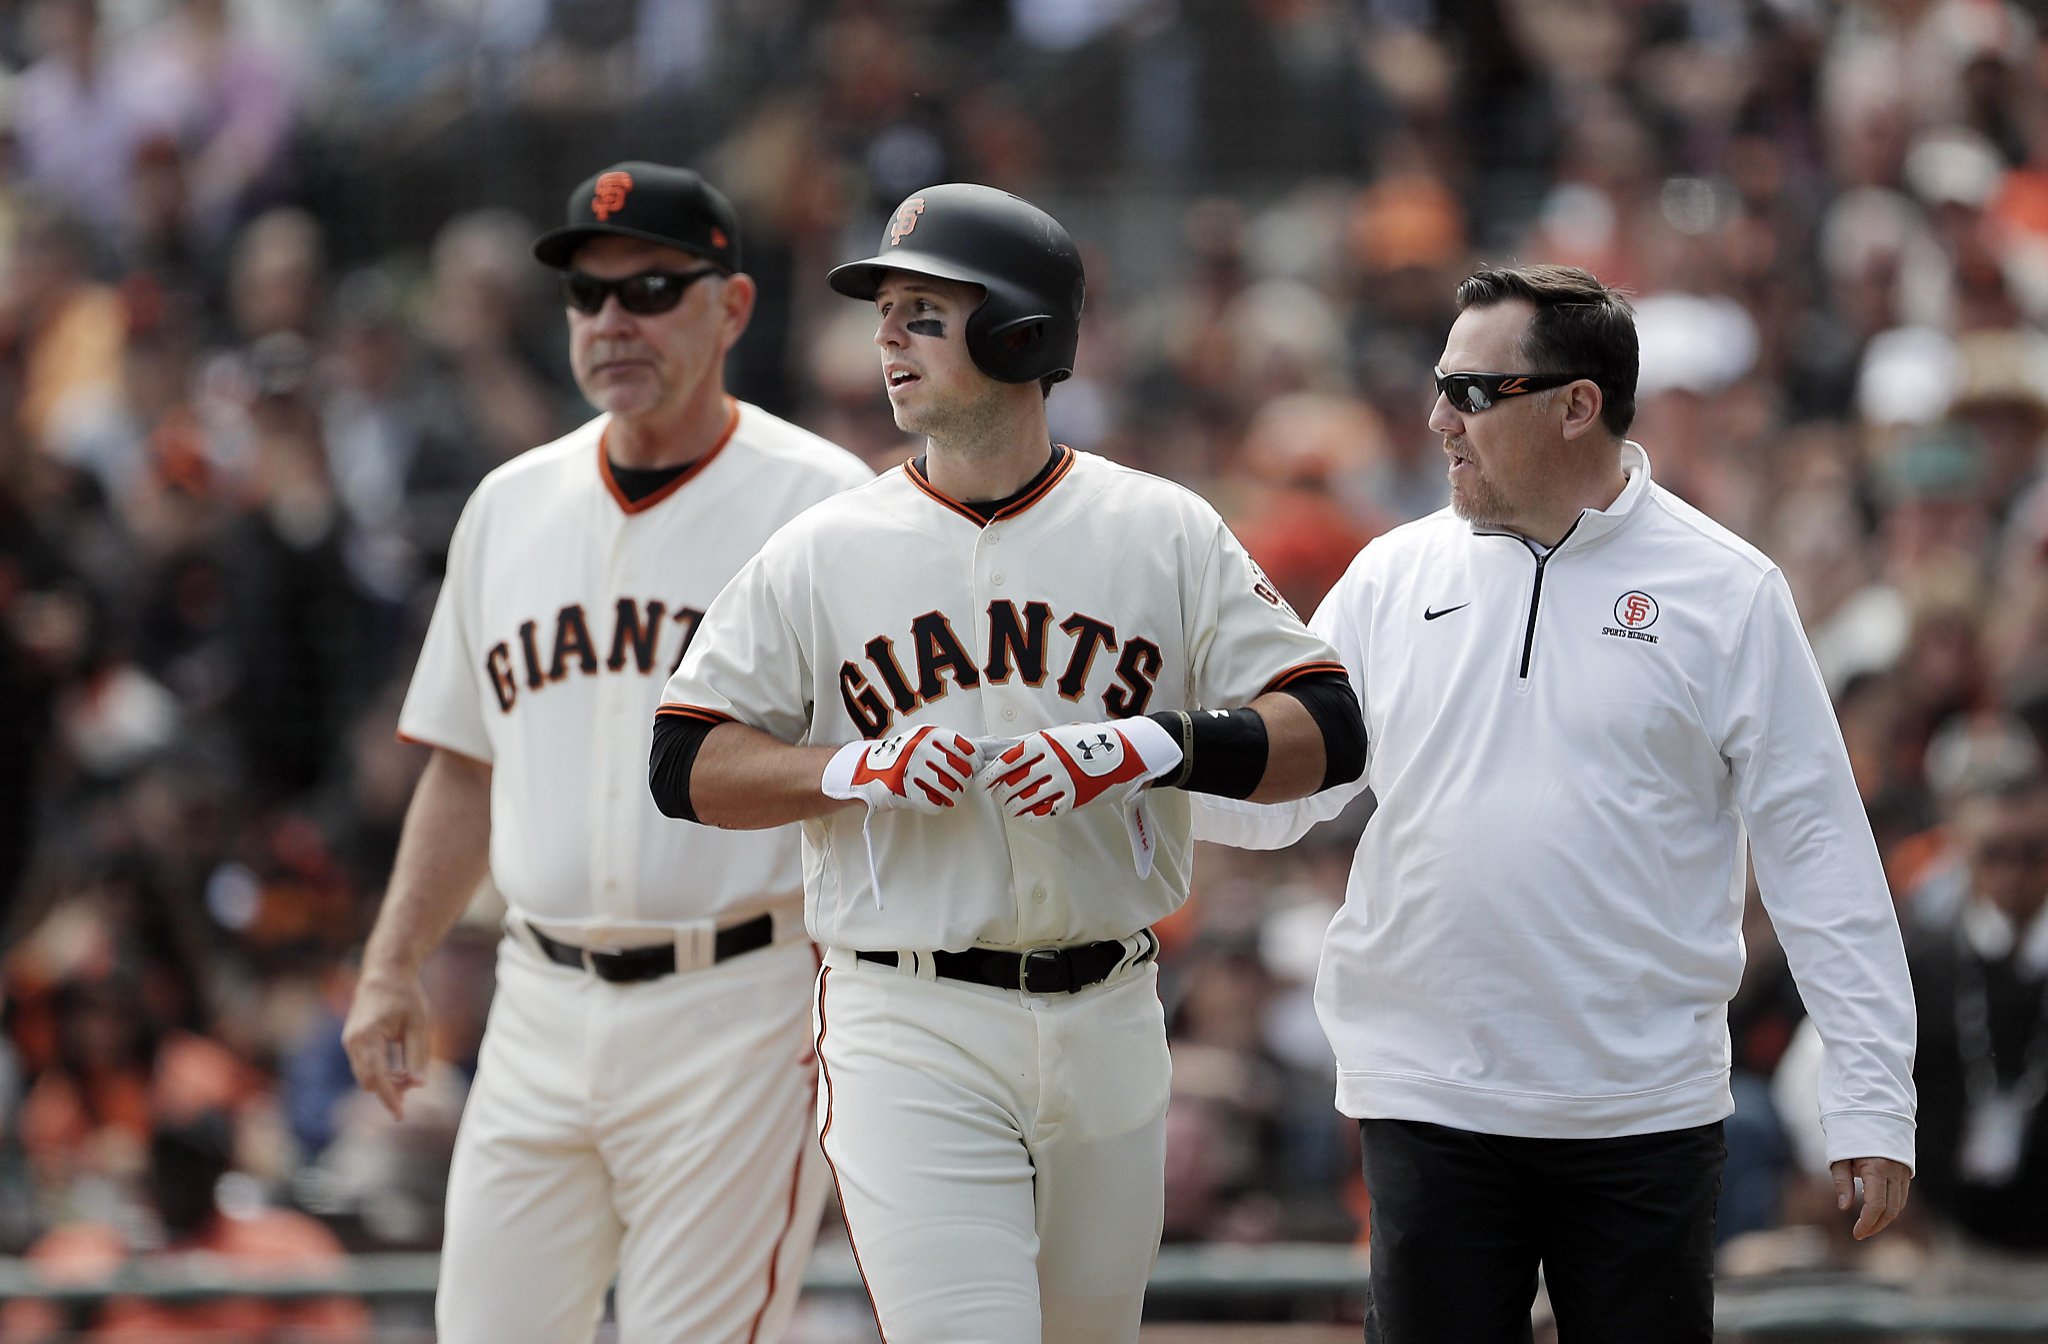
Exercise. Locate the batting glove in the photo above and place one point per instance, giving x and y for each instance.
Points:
(1051, 772)
(925, 769)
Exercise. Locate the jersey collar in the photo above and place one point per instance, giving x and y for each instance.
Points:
(1055, 472)
(695, 469)
(1595, 524)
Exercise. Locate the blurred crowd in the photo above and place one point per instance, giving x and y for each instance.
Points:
(267, 315)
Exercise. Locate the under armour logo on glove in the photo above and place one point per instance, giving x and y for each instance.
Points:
(1051, 772)
(923, 770)
(1104, 740)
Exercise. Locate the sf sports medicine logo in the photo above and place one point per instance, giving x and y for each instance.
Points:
(1634, 613)
(610, 196)
(906, 219)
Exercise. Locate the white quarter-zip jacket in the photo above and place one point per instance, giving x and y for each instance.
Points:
(1572, 751)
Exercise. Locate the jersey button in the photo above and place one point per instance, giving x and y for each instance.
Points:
(1010, 712)
(1038, 896)
(996, 579)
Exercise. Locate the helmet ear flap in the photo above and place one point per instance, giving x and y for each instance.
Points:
(1011, 351)
(1022, 336)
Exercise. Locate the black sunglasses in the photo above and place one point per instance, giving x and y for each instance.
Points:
(643, 295)
(1472, 393)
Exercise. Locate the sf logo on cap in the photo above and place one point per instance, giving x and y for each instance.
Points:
(610, 195)
(906, 219)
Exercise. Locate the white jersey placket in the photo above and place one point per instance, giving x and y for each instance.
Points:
(1001, 556)
(615, 839)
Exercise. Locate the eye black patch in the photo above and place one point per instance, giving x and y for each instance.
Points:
(925, 326)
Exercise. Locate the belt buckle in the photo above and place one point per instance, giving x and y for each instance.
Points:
(1048, 956)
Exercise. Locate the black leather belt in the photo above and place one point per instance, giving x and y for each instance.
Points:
(1036, 970)
(651, 963)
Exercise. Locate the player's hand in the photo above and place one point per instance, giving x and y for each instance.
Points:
(926, 769)
(1885, 1183)
(1051, 772)
(386, 1037)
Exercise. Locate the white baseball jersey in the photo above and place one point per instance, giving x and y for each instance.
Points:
(1102, 593)
(563, 610)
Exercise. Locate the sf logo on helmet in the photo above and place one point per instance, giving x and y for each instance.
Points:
(610, 195)
(906, 219)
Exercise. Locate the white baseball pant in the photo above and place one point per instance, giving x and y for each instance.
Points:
(663, 1129)
(999, 1156)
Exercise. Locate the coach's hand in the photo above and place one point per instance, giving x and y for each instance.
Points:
(1884, 1191)
(1051, 772)
(926, 769)
(386, 1037)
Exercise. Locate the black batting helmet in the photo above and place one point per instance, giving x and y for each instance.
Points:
(1029, 270)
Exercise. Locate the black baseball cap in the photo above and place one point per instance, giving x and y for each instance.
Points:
(652, 202)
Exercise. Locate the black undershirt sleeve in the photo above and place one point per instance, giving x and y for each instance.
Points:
(677, 738)
(1330, 701)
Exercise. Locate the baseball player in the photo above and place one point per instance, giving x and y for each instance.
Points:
(962, 678)
(642, 1104)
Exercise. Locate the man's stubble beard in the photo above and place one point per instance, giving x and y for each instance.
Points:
(1480, 502)
(969, 429)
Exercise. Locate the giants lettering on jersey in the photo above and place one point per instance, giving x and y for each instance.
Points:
(1019, 645)
(636, 640)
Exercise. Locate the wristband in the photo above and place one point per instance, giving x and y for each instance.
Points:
(1185, 724)
(1223, 751)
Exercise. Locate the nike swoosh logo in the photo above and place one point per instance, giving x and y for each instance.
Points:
(1429, 615)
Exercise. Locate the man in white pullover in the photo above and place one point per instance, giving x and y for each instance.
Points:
(1586, 702)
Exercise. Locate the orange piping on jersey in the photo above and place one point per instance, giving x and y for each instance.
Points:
(604, 465)
(693, 712)
(1294, 674)
(796, 1186)
(1058, 474)
(917, 479)
(824, 1131)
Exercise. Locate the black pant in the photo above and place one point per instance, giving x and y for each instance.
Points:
(1624, 1230)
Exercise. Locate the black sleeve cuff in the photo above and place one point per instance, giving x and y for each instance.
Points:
(677, 738)
(1329, 699)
